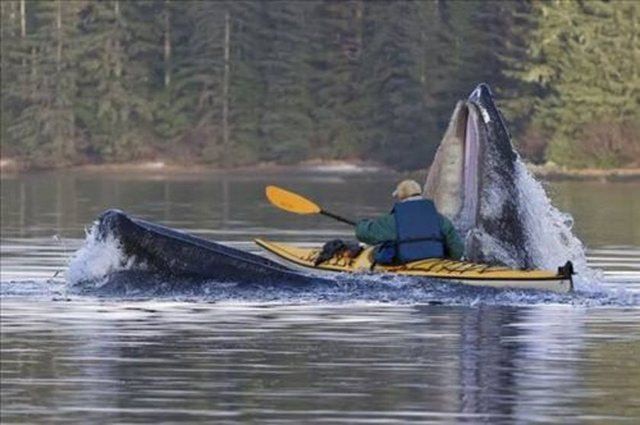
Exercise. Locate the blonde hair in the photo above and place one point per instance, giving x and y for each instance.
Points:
(407, 189)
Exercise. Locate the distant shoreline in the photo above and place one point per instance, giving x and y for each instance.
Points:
(555, 173)
(10, 166)
(545, 172)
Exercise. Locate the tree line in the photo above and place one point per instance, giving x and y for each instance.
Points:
(238, 82)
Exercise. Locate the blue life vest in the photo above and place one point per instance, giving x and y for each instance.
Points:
(418, 232)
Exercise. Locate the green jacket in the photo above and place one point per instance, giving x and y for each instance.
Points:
(383, 229)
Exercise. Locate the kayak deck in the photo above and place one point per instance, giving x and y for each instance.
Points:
(435, 268)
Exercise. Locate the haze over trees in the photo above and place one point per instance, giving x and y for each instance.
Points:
(239, 82)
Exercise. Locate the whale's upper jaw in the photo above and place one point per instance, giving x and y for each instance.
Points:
(494, 122)
(480, 93)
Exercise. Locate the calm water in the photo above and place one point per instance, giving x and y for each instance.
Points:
(323, 358)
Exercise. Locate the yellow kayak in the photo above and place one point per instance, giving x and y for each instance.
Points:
(460, 272)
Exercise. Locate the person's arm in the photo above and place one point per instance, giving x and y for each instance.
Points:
(377, 230)
(452, 242)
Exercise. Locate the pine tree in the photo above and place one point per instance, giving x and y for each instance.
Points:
(246, 87)
(172, 104)
(114, 105)
(12, 57)
(45, 124)
(397, 126)
(198, 80)
(335, 63)
(439, 68)
(285, 126)
(589, 115)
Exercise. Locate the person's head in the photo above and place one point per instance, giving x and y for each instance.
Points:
(407, 189)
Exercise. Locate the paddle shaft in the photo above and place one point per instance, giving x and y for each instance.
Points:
(337, 217)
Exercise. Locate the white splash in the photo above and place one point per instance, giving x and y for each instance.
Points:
(549, 231)
(494, 199)
(96, 259)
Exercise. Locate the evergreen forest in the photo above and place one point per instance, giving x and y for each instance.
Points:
(233, 83)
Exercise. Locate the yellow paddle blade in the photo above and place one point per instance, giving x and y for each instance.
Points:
(290, 201)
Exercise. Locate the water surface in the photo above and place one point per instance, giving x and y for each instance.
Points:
(392, 356)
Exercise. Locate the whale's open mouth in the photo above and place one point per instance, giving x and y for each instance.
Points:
(455, 177)
(475, 136)
(473, 181)
(479, 182)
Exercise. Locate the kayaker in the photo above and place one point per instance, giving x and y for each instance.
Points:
(414, 230)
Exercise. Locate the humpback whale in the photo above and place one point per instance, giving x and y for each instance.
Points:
(476, 179)
(153, 259)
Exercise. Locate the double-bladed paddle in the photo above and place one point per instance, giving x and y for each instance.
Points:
(298, 204)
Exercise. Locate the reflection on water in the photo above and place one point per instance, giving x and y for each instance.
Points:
(83, 360)
(232, 363)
